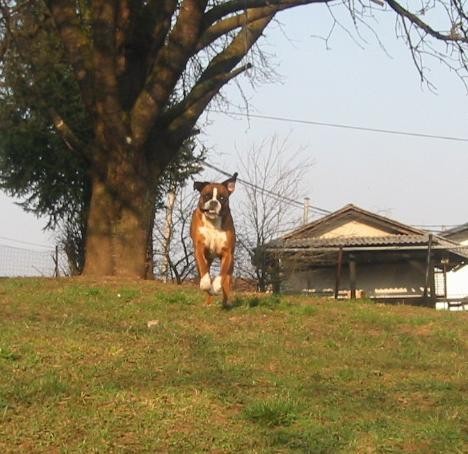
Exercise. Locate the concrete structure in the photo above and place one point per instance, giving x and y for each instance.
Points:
(353, 252)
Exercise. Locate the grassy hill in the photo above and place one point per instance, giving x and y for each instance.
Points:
(81, 371)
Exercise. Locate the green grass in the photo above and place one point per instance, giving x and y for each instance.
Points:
(81, 372)
(274, 411)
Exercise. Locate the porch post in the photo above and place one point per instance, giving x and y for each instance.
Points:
(352, 276)
(445, 280)
(428, 266)
(338, 272)
(432, 280)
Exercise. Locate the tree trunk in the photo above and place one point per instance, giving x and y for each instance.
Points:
(121, 219)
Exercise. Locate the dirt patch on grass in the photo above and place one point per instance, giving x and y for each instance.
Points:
(418, 331)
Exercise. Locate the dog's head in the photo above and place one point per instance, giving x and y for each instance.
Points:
(214, 197)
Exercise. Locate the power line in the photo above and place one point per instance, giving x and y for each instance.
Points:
(26, 242)
(296, 203)
(318, 210)
(17, 248)
(343, 126)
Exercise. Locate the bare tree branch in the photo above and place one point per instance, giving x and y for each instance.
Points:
(162, 26)
(218, 73)
(168, 68)
(265, 217)
(452, 36)
(234, 6)
(66, 133)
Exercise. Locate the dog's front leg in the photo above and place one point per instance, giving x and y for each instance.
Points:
(227, 267)
(203, 265)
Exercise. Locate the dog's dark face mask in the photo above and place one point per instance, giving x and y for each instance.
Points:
(214, 197)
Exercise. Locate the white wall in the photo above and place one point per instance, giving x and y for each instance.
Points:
(457, 281)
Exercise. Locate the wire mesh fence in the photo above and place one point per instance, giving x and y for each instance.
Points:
(21, 261)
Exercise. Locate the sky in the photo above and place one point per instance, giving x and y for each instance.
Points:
(418, 181)
(414, 180)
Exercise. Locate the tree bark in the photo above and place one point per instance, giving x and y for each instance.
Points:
(120, 218)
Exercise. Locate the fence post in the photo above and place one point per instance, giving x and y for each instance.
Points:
(56, 260)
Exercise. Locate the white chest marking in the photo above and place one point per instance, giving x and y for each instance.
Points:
(214, 238)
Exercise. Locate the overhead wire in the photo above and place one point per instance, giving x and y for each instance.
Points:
(335, 125)
(318, 210)
(28, 243)
(288, 200)
(342, 126)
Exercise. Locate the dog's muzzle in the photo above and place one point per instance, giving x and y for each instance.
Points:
(212, 208)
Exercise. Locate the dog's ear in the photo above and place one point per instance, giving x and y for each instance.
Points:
(199, 185)
(230, 183)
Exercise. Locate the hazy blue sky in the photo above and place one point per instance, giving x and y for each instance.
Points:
(413, 180)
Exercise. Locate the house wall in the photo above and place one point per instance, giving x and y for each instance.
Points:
(457, 281)
(377, 280)
(353, 228)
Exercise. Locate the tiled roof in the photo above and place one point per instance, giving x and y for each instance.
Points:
(455, 230)
(346, 241)
(460, 250)
(398, 236)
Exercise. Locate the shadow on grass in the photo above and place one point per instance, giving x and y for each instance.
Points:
(263, 301)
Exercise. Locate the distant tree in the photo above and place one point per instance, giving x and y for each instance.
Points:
(274, 178)
(147, 70)
(174, 256)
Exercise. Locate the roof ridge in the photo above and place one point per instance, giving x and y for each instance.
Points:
(352, 207)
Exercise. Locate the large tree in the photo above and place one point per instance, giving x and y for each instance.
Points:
(146, 71)
(43, 166)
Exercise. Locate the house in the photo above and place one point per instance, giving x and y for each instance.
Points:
(353, 252)
(457, 279)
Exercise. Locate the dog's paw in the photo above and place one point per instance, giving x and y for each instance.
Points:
(216, 286)
(205, 282)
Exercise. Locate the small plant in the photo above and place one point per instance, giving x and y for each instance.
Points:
(309, 310)
(7, 354)
(276, 411)
(49, 386)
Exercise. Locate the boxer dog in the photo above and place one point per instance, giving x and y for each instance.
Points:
(213, 235)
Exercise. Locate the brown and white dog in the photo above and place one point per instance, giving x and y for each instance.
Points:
(213, 235)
